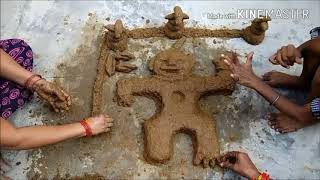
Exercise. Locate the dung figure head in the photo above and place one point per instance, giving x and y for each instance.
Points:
(172, 64)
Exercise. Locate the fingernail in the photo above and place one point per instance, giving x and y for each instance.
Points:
(222, 55)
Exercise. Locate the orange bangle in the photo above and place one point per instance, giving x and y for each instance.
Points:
(86, 127)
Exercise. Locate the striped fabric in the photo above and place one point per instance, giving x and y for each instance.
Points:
(315, 108)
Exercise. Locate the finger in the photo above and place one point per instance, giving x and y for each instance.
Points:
(279, 129)
(226, 164)
(298, 60)
(284, 55)
(109, 120)
(61, 105)
(53, 106)
(249, 59)
(235, 77)
(227, 62)
(231, 59)
(230, 65)
(279, 59)
(109, 124)
(58, 92)
(227, 58)
(67, 97)
(273, 60)
(291, 52)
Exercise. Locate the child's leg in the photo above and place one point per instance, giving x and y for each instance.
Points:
(315, 86)
(12, 95)
(283, 123)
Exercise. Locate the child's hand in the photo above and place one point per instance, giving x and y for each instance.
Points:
(242, 73)
(286, 56)
(240, 163)
(100, 124)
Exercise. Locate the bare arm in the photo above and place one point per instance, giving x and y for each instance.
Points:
(56, 96)
(134, 86)
(301, 113)
(38, 136)
(11, 70)
(311, 47)
(244, 75)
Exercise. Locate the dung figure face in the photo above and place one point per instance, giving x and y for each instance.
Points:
(172, 63)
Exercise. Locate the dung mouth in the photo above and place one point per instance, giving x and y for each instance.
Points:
(170, 70)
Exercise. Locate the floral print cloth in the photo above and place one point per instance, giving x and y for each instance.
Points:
(12, 95)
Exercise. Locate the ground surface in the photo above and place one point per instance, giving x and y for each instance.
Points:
(65, 37)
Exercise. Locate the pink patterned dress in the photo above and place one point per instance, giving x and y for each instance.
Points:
(12, 95)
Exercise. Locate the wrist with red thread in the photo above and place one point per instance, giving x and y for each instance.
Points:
(263, 176)
(86, 127)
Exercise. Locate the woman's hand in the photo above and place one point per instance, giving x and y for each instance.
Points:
(240, 163)
(286, 56)
(100, 124)
(52, 93)
(241, 73)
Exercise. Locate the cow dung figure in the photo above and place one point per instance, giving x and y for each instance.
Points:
(176, 91)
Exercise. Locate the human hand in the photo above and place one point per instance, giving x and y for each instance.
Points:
(240, 163)
(52, 93)
(286, 56)
(100, 124)
(241, 73)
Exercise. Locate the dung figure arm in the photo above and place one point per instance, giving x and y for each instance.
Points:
(220, 83)
(126, 88)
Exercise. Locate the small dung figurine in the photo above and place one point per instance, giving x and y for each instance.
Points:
(174, 27)
(254, 34)
(117, 37)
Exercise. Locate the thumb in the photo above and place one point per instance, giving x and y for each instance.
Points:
(227, 164)
(249, 58)
(298, 60)
(273, 60)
